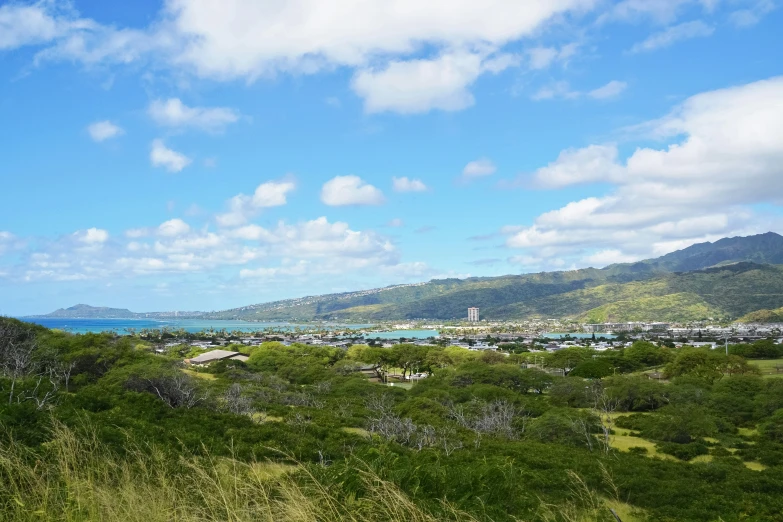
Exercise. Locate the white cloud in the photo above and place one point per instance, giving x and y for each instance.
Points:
(350, 190)
(171, 160)
(103, 130)
(725, 147)
(316, 246)
(92, 236)
(174, 113)
(563, 90)
(416, 86)
(9, 242)
(610, 256)
(267, 194)
(555, 90)
(383, 42)
(479, 168)
(32, 24)
(542, 57)
(134, 233)
(592, 163)
(244, 38)
(610, 90)
(395, 223)
(672, 35)
(753, 15)
(404, 184)
(661, 11)
(173, 228)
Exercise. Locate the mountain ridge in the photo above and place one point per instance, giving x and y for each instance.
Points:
(539, 294)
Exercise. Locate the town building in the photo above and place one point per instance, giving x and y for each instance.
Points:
(473, 315)
(216, 355)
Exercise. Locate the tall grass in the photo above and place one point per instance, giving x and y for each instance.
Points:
(76, 478)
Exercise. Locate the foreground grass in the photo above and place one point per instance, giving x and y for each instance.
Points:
(77, 479)
(80, 480)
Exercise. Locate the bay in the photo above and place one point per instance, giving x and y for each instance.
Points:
(120, 326)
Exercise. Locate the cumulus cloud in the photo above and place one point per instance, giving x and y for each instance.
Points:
(245, 39)
(268, 194)
(248, 39)
(724, 147)
(610, 90)
(173, 228)
(404, 184)
(672, 35)
(103, 130)
(543, 57)
(92, 236)
(171, 160)
(415, 86)
(559, 89)
(753, 14)
(563, 90)
(478, 169)
(22, 25)
(660, 11)
(174, 113)
(318, 246)
(350, 190)
(572, 166)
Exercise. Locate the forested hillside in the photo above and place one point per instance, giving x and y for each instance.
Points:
(725, 279)
(100, 427)
(616, 294)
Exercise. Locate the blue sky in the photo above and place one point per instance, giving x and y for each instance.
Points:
(203, 154)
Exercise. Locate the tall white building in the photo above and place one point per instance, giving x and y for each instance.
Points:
(473, 315)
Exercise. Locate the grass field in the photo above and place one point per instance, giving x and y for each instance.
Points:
(769, 367)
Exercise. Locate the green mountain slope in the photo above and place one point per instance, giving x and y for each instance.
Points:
(703, 280)
(763, 316)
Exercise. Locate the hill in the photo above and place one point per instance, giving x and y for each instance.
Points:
(83, 311)
(725, 279)
(763, 316)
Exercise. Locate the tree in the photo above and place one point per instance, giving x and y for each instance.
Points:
(706, 365)
(17, 347)
(568, 358)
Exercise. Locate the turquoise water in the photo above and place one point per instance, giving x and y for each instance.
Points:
(408, 334)
(189, 325)
(577, 335)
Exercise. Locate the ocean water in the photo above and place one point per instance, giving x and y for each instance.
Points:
(121, 326)
(408, 334)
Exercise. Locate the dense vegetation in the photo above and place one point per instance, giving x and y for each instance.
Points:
(99, 427)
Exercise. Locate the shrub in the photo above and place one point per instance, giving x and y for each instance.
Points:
(683, 451)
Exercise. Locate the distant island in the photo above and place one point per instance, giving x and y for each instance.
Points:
(83, 311)
(739, 278)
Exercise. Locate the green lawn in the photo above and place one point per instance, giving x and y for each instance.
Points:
(769, 367)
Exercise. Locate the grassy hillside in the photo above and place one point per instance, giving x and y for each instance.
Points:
(672, 307)
(722, 279)
(727, 291)
(763, 316)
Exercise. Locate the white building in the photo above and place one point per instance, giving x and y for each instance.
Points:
(473, 315)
